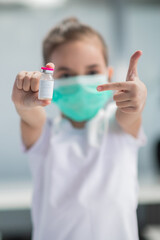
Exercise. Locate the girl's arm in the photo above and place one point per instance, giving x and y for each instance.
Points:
(28, 106)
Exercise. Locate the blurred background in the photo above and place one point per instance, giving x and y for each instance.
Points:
(126, 25)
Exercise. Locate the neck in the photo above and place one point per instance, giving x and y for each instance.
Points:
(74, 123)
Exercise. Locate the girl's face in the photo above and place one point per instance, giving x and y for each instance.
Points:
(78, 58)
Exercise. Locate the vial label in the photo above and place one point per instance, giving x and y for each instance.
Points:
(45, 89)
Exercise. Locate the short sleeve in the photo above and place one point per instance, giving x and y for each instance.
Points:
(40, 146)
(138, 141)
(114, 127)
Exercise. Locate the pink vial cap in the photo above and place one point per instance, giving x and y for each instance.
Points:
(45, 68)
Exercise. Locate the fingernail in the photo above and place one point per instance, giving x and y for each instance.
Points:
(99, 88)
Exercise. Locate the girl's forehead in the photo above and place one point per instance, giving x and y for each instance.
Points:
(78, 52)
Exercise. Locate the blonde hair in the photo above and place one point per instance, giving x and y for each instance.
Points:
(68, 30)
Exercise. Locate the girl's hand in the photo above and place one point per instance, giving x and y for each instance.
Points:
(25, 90)
(130, 96)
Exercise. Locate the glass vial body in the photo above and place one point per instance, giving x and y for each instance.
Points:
(46, 84)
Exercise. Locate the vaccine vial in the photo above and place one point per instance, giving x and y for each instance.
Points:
(46, 84)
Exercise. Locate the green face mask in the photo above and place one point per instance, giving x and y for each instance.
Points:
(78, 98)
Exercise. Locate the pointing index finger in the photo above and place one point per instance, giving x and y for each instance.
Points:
(114, 86)
(132, 70)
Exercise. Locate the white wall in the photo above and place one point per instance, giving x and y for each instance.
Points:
(21, 32)
(143, 31)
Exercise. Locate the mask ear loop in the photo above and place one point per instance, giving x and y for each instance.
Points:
(96, 128)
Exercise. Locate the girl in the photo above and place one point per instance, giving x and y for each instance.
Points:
(83, 162)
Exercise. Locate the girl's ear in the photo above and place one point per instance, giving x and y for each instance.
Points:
(110, 73)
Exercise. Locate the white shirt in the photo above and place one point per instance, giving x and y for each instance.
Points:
(85, 181)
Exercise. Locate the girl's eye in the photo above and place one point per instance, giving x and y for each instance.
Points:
(65, 75)
(92, 72)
